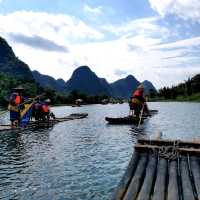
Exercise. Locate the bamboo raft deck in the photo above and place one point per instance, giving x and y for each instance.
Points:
(42, 124)
(162, 170)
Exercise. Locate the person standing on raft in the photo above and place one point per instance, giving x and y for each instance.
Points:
(138, 102)
(14, 107)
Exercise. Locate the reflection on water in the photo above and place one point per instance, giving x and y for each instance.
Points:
(83, 159)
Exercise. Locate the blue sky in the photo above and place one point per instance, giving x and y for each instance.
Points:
(157, 40)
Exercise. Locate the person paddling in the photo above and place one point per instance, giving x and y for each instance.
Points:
(138, 102)
(14, 106)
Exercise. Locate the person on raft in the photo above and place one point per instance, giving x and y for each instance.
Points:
(138, 103)
(15, 106)
(46, 112)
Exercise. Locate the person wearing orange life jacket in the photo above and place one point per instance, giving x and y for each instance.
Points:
(15, 102)
(138, 102)
(46, 112)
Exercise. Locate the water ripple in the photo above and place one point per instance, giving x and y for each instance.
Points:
(82, 159)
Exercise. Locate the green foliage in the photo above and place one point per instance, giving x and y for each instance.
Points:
(188, 91)
(7, 83)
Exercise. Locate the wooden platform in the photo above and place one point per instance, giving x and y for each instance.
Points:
(162, 170)
(43, 124)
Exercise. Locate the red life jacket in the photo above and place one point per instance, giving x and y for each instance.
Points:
(45, 108)
(138, 93)
(17, 100)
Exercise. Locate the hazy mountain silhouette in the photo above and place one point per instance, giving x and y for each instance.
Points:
(11, 65)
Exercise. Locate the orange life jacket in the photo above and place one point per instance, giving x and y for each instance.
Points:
(17, 100)
(45, 108)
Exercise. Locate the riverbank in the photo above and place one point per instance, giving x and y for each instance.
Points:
(181, 98)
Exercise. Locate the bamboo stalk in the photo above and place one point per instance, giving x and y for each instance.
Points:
(125, 181)
(160, 184)
(185, 179)
(173, 181)
(147, 186)
(191, 151)
(195, 169)
(195, 144)
(137, 180)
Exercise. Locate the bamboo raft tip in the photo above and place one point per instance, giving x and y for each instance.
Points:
(162, 169)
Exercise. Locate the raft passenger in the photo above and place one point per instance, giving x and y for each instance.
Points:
(14, 106)
(138, 102)
(46, 112)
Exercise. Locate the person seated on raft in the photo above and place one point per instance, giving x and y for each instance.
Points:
(46, 113)
(138, 102)
(15, 106)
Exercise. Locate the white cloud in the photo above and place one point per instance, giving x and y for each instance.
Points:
(186, 9)
(147, 27)
(57, 27)
(138, 49)
(94, 11)
(195, 41)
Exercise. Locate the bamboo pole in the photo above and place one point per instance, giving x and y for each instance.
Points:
(195, 169)
(137, 180)
(194, 144)
(191, 151)
(147, 186)
(185, 179)
(173, 181)
(160, 184)
(125, 181)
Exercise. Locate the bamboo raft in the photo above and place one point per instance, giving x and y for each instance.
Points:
(162, 170)
(130, 119)
(43, 124)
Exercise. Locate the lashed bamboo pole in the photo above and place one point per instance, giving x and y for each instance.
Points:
(160, 184)
(195, 169)
(185, 179)
(147, 186)
(137, 180)
(173, 181)
(125, 181)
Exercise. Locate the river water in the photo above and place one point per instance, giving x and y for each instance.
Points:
(83, 159)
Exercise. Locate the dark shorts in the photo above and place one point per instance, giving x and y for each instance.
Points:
(14, 116)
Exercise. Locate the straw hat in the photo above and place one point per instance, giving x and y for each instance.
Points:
(141, 86)
(47, 101)
(18, 88)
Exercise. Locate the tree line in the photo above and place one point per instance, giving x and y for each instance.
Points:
(189, 90)
(32, 89)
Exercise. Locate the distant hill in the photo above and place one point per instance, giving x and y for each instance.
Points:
(149, 87)
(14, 72)
(86, 81)
(11, 65)
(123, 88)
(49, 82)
